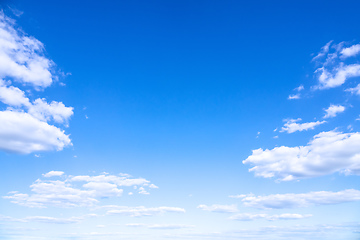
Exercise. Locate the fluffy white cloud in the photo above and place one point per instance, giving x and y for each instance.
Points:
(219, 208)
(142, 211)
(333, 110)
(295, 200)
(253, 216)
(20, 132)
(12, 96)
(54, 111)
(21, 57)
(292, 125)
(326, 153)
(338, 75)
(66, 193)
(24, 126)
(350, 51)
(333, 72)
(53, 174)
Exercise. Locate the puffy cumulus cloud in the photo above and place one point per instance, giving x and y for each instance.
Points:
(12, 96)
(333, 72)
(326, 153)
(253, 216)
(70, 193)
(337, 76)
(295, 200)
(53, 174)
(142, 211)
(20, 132)
(350, 51)
(56, 111)
(21, 57)
(219, 208)
(24, 123)
(333, 110)
(292, 125)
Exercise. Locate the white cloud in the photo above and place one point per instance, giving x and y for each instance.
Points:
(54, 111)
(333, 72)
(67, 193)
(53, 174)
(219, 208)
(291, 125)
(333, 110)
(24, 126)
(326, 153)
(299, 88)
(355, 90)
(295, 200)
(323, 52)
(12, 96)
(284, 216)
(350, 51)
(294, 96)
(142, 211)
(21, 57)
(337, 76)
(20, 132)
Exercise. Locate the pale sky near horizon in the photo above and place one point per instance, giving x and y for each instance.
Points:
(194, 120)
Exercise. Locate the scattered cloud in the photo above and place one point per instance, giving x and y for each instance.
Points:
(53, 174)
(300, 88)
(326, 153)
(354, 90)
(142, 211)
(333, 110)
(66, 193)
(219, 208)
(350, 51)
(160, 226)
(292, 125)
(295, 200)
(284, 216)
(333, 72)
(24, 123)
(294, 96)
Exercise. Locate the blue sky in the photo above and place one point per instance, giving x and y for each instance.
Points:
(179, 120)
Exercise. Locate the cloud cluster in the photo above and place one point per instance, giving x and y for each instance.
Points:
(295, 200)
(326, 153)
(26, 124)
(292, 125)
(68, 193)
(333, 71)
